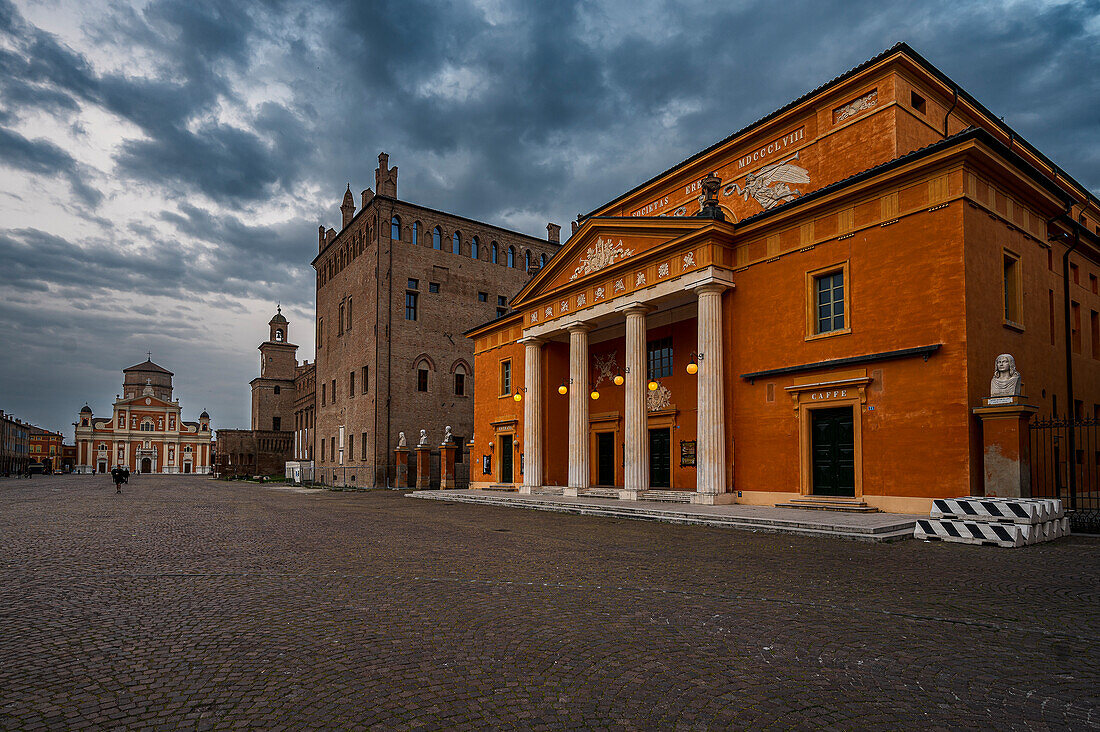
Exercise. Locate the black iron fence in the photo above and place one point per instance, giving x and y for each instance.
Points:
(1065, 464)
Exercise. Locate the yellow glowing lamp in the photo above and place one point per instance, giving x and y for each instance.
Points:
(517, 396)
(619, 380)
(693, 368)
(563, 389)
(595, 394)
(652, 385)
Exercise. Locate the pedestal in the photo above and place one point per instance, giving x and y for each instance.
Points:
(401, 457)
(1006, 446)
(447, 467)
(423, 468)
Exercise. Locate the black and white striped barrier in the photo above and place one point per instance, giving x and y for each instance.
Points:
(1004, 510)
(990, 533)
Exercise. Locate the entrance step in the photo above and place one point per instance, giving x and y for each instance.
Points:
(669, 496)
(549, 491)
(599, 492)
(503, 487)
(829, 503)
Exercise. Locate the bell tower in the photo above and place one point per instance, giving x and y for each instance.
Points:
(273, 390)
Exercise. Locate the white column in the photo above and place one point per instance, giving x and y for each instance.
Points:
(710, 486)
(532, 414)
(636, 424)
(578, 408)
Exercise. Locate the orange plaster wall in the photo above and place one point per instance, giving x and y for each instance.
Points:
(920, 409)
(490, 407)
(1040, 363)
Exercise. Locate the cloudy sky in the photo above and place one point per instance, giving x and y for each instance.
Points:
(164, 165)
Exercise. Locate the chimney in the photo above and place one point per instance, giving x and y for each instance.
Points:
(368, 196)
(575, 227)
(553, 233)
(320, 237)
(385, 177)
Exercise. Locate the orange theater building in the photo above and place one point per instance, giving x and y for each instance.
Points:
(810, 308)
(146, 432)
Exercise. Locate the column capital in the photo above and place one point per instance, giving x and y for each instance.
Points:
(532, 341)
(579, 327)
(709, 287)
(635, 308)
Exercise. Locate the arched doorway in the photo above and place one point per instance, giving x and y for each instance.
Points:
(146, 465)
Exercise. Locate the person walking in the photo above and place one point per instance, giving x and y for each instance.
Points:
(120, 476)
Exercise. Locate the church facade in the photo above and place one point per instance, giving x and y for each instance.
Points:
(146, 432)
(810, 309)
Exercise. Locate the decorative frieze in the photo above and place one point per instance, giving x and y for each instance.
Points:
(602, 254)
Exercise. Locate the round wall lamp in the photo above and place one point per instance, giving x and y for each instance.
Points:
(618, 379)
(517, 396)
(693, 366)
(652, 385)
(595, 394)
(563, 389)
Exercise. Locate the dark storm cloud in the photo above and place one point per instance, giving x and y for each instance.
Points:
(44, 157)
(526, 112)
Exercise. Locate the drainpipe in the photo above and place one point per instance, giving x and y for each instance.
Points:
(954, 101)
(1071, 458)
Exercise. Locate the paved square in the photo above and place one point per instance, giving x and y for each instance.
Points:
(190, 603)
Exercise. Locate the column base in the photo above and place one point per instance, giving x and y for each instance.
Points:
(527, 489)
(625, 495)
(571, 492)
(713, 499)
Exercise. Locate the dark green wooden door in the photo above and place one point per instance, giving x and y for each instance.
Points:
(506, 459)
(660, 459)
(605, 457)
(833, 452)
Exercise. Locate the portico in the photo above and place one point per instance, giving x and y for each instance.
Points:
(628, 331)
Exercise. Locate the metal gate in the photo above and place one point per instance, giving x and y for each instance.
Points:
(1065, 463)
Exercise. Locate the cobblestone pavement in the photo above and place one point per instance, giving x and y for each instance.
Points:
(195, 604)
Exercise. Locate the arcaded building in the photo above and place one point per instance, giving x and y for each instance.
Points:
(396, 288)
(146, 432)
(808, 310)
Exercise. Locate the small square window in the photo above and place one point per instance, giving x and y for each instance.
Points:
(917, 102)
(501, 312)
(827, 302)
(501, 300)
(433, 287)
(414, 284)
(483, 297)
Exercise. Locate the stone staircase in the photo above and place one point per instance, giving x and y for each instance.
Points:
(667, 496)
(829, 503)
(599, 492)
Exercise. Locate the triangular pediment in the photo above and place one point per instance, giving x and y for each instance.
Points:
(139, 401)
(604, 242)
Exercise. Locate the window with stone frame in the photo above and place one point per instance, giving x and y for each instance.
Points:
(506, 377)
(828, 300)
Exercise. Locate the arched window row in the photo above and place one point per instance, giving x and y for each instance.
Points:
(472, 247)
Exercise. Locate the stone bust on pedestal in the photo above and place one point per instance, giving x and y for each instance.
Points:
(400, 440)
(423, 438)
(1006, 379)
